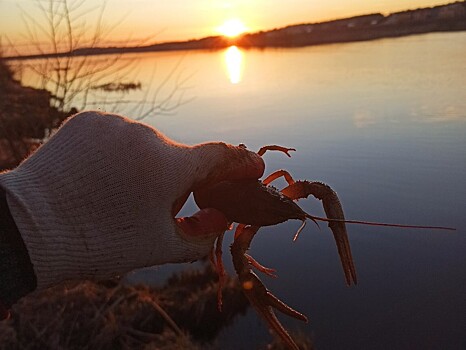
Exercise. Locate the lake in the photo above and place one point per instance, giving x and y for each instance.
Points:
(384, 124)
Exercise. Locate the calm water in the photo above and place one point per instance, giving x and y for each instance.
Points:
(383, 123)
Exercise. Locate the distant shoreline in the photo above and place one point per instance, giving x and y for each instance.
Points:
(443, 18)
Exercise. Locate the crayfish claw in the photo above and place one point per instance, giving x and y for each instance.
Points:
(266, 270)
(258, 295)
(333, 210)
(344, 251)
(264, 302)
(279, 305)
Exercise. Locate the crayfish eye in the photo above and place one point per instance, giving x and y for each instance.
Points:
(242, 145)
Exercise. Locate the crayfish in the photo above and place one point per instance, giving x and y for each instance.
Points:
(253, 204)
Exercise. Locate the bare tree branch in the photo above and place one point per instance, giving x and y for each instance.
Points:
(57, 32)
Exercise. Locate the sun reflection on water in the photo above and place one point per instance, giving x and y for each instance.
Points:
(234, 64)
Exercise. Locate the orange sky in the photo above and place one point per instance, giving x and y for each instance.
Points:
(183, 19)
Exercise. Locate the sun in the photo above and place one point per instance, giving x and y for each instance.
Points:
(232, 27)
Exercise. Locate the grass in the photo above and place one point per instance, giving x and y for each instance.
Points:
(109, 315)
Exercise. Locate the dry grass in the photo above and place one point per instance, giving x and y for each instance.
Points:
(112, 316)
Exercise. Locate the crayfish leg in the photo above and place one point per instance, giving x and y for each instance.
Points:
(220, 268)
(285, 150)
(279, 173)
(239, 230)
(300, 229)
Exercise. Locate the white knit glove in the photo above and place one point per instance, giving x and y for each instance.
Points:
(99, 198)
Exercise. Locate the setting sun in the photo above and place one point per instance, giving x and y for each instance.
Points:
(232, 28)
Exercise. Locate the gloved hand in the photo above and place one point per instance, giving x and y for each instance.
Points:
(100, 197)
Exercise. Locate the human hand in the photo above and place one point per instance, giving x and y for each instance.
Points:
(100, 198)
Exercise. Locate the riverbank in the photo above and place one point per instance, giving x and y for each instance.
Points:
(26, 116)
(182, 314)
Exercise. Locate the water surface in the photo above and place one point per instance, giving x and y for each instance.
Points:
(383, 123)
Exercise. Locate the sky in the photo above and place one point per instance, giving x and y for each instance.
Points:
(158, 21)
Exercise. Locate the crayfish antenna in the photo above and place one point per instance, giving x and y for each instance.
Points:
(374, 223)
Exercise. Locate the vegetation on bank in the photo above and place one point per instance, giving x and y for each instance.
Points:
(108, 315)
(182, 314)
(26, 118)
